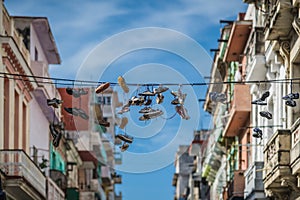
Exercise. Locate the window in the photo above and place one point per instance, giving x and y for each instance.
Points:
(104, 100)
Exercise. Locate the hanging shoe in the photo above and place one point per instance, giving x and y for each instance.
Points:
(147, 93)
(291, 103)
(146, 110)
(291, 96)
(159, 98)
(102, 122)
(181, 99)
(174, 93)
(53, 131)
(123, 84)
(144, 118)
(72, 111)
(125, 138)
(153, 114)
(124, 147)
(102, 87)
(182, 111)
(69, 91)
(265, 114)
(259, 102)
(265, 95)
(160, 89)
(175, 101)
(257, 133)
(54, 102)
(147, 102)
(124, 110)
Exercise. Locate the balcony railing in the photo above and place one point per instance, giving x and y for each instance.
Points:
(295, 150)
(277, 159)
(253, 181)
(54, 192)
(17, 164)
(59, 178)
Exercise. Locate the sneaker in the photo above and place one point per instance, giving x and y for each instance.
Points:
(124, 110)
(160, 89)
(159, 98)
(102, 87)
(53, 131)
(124, 122)
(125, 138)
(54, 102)
(182, 111)
(181, 99)
(146, 110)
(72, 111)
(123, 84)
(257, 133)
(265, 95)
(175, 101)
(69, 91)
(124, 147)
(291, 96)
(259, 102)
(147, 93)
(102, 122)
(148, 102)
(265, 114)
(174, 93)
(290, 103)
(144, 118)
(217, 97)
(153, 114)
(81, 91)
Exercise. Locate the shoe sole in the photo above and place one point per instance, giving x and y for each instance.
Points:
(102, 87)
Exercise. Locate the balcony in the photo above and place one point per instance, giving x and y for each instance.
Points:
(54, 192)
(105, 176)
(277, 160)
(279, 20)
(59, 178)
(237, 40)
(295, 150)
(24, 178)
(254, 187)
(236, 187)
(240, 110)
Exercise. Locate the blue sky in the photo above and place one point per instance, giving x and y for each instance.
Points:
(79, 26)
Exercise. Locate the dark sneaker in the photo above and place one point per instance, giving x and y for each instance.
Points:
(125, 138)
(53, 131)
(124, 147)
(148, 102)
(69, 91)
(54, 102)
(290, 103)
(147, 93)
(257, 133)
(146, 110)
(72, 111)
(160, 89)
(259, 102)
(265, 114)
(265, 95)
(175, 101)
(159, 98)
(144, 118)
(291, 96)
(102, 87)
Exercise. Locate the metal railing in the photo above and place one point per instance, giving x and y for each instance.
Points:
(16, 163)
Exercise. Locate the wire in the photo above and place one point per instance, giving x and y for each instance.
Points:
(62, 81)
